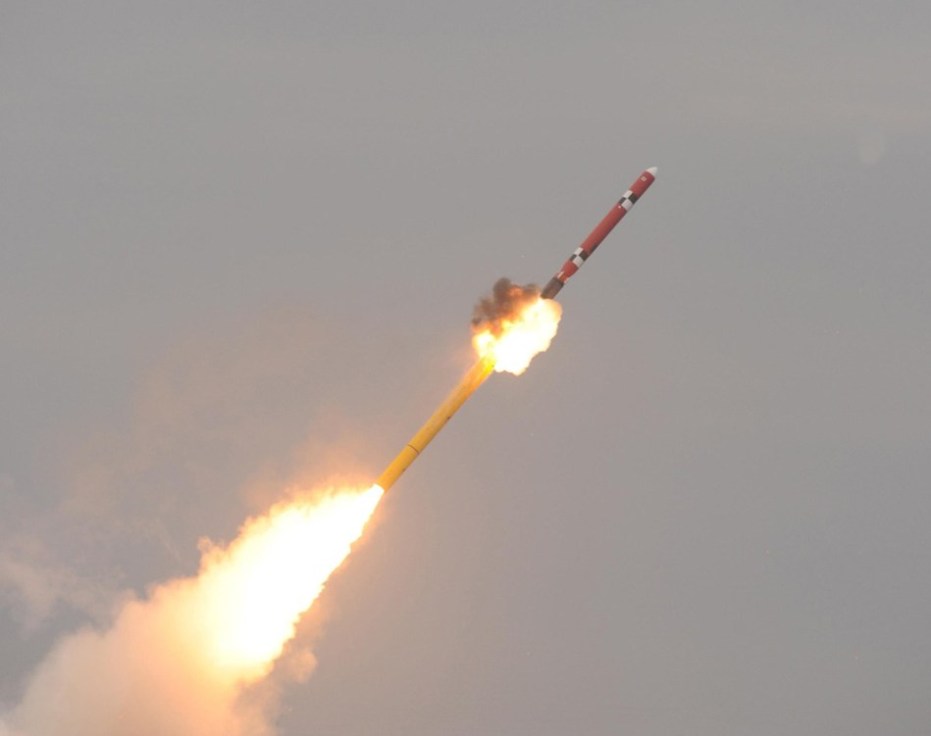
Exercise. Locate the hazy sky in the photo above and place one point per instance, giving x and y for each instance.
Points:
(240, 243)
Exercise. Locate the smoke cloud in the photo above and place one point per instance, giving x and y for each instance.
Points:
(506, 303)
(194, 657)
(32, 585)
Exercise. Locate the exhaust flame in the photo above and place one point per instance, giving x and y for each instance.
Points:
(179, 660)
(514, 325)
(251, 595)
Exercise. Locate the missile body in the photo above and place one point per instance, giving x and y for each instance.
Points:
(467, 386)
(600, 232)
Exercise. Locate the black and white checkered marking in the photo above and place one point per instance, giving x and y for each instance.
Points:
(578, 257)
(627, 201)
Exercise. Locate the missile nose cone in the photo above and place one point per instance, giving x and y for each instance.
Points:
(652, 170)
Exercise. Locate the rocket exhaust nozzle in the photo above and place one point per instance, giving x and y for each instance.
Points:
(551, 289)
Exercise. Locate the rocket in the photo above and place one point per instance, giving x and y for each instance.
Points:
(483, 368)
(596, 236)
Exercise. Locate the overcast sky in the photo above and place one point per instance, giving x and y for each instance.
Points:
(240, 243)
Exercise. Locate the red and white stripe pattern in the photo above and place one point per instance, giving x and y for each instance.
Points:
(594, 239)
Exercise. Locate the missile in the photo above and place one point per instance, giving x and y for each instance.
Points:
(616, 214)
(483, 368)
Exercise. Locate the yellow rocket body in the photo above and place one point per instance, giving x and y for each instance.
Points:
(467, 386)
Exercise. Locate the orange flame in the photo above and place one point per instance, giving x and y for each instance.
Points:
(512, 342)
(250, 595)
(177, 661)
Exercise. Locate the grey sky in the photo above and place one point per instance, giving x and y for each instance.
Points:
(240, 242)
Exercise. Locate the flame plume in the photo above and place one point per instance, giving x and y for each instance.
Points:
(513, 325)
(177, 662)
(251, 595)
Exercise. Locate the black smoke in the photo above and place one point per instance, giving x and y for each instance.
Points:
(507, 300)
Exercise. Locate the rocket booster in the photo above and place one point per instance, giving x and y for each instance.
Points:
(581, 254)
(470, 382)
